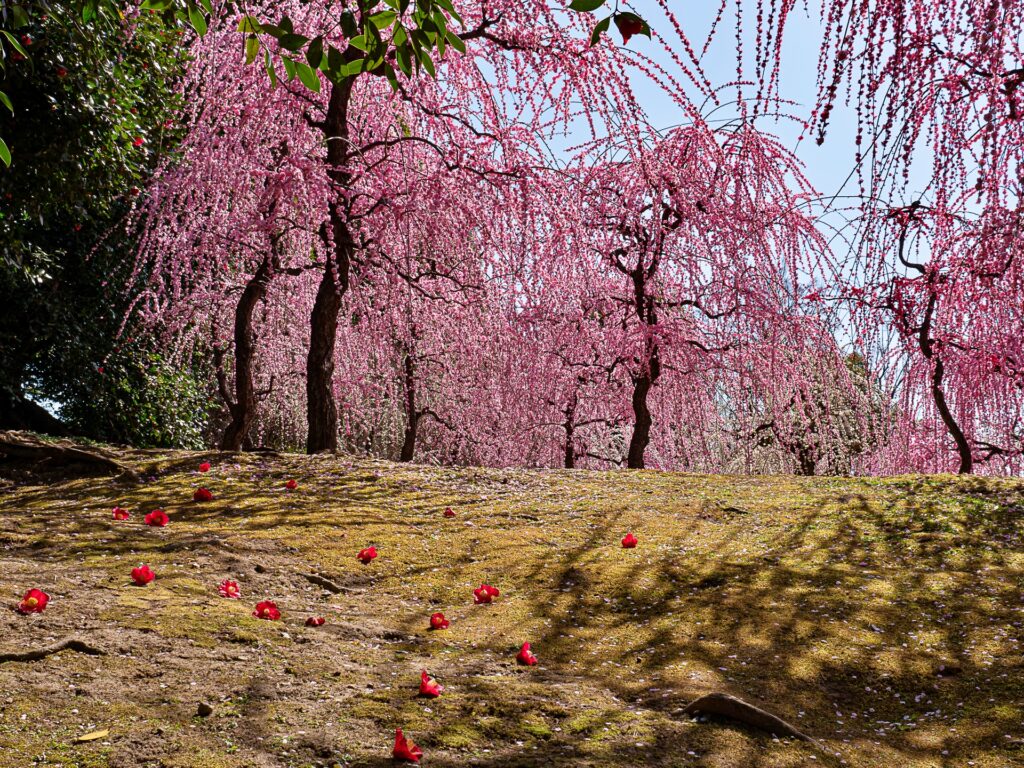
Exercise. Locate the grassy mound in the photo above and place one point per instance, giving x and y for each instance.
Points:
(881, 617)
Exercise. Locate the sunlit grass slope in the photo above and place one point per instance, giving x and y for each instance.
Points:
(881, 617)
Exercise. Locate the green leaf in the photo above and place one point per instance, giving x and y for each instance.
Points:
(252, 48)
(5, 153)
(197, 19)
(315, 52)
(602, 26)
(292, 42)
(404, 56)
(353, 68)
(384, 19)
(289, 67)
(6, 101)
(15, 43)
(456, 42)
(269, 66)
(360, 43)
(349, 27)
(389, 72)
(308, 76)
(428, 63)
(249, 25)
(335, 61)
(18, 17)
(586, 6)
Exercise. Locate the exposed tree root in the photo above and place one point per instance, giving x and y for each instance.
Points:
(731, 708)
(322, 581)
(68, 644)
(26, 447)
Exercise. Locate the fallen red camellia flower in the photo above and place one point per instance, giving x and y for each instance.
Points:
(366, 555)
(629, 541)
(34, 601)
(157, 517)
(449, 512)
(429, 687)
(230, 588)
(266, 609)
(525, 656)
(202, 494)
(438, 621)
(405, 749)
(315, 621)
(142, 575)
(291, 485)
(138, 141)
(121, 514)
(485, 593)
(204, 467)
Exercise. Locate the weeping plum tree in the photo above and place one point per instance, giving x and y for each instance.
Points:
(939, 85)
(698, 232)
(364, 136)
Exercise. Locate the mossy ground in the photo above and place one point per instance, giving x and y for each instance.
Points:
(882, 617)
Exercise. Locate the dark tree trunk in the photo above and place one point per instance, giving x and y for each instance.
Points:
(642, 422)
(321, 409)
(963, 447)
(569, 425)
(243, 405)
(412, 416)
(650, 370)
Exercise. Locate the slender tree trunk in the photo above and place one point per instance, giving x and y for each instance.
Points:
(569, 425)
(647, 376)
(963, 447)
(412, 416)
(321, 408)
(243, 406)
(642, 422)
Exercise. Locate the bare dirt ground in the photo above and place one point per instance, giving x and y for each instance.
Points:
(881, 617)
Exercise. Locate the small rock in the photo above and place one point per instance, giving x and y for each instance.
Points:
(204, 710)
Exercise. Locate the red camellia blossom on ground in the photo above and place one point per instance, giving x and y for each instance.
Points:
(291, 485)
(121, 514)
(202, 494)
(525, 656)
(34, 601)
(485, 593)
(62, 72)
(449, 512)
(204, 467)
(138, 141)
(405, 749)
(142, 575)
(366, 555)
(315, 621)
(629, 541)
(266, 609)
(429, 687)
(230, 589)
(438, 621)
(157, 517)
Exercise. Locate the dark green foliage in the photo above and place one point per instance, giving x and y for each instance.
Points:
(93, 113)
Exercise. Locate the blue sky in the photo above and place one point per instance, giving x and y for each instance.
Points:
(827, 166)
